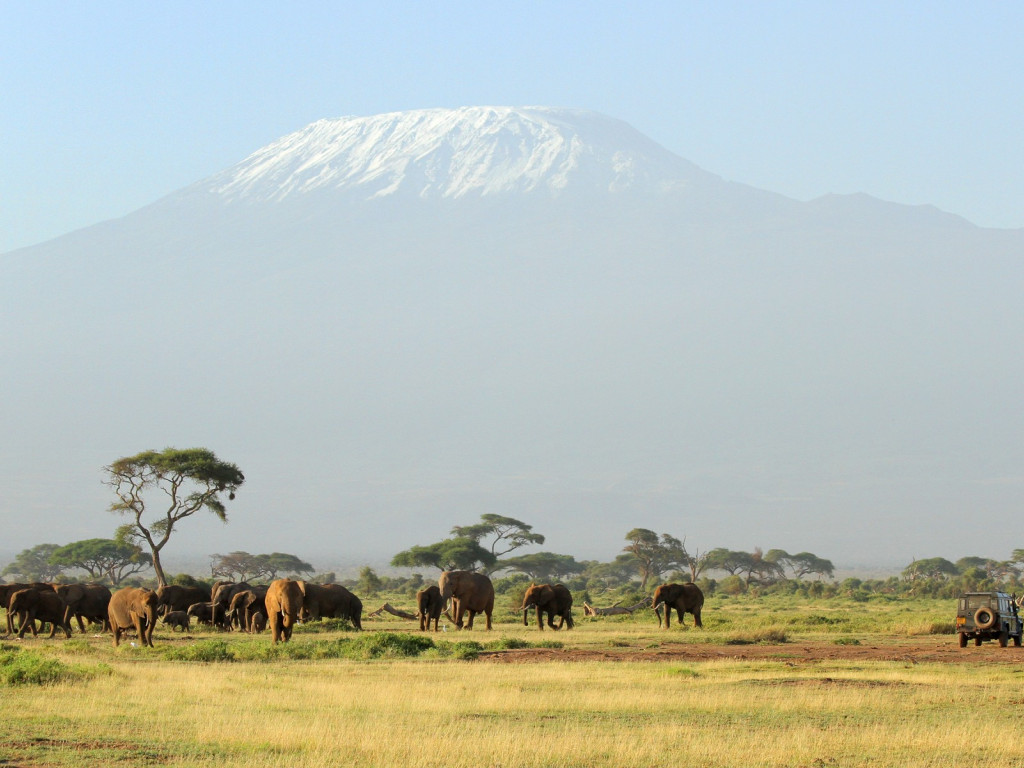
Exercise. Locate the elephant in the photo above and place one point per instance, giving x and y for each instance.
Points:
(429, 606)
(258, 622)
(86, 601)
(684, 598)
(32, 605)
(177, 620)
(223, 592)
(207, 613)
(7, 590)
(468, 591)
(331, 601)
(244, 604)
(133, 608)
(553, 599)
(175, 597)
(284, 603)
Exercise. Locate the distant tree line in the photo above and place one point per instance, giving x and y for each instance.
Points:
(156, 490)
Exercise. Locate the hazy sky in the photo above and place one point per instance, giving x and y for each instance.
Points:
(108, 106)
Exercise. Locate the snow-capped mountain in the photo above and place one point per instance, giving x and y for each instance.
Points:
(451, 153)
(396, 323)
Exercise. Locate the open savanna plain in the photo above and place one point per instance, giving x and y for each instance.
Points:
(767, 682)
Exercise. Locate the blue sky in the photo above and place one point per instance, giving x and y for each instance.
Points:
(108, 106)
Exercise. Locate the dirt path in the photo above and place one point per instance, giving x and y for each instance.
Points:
(910, 650)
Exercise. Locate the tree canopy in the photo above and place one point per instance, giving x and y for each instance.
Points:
(466, 549)
(508, 533)
(543, 566)
(35, 564)
(654, 556)
(178, 483)
(460, 553)
(241, 566)
(103, 559)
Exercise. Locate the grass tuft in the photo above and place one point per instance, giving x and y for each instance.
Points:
(760, 637)
(26, 667)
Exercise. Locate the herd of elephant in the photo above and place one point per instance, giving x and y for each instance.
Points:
(461, 595)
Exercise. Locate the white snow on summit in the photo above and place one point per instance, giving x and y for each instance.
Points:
(455, 152)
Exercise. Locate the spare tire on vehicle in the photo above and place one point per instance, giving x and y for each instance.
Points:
(985, 618)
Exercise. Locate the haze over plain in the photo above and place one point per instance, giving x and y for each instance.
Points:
(805, 383)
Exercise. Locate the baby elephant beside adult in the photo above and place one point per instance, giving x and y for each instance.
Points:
(133, 608)
(552, 599)
(684, 598)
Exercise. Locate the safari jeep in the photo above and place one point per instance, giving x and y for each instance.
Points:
(987, 616)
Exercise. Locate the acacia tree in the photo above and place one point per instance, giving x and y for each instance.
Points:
(186, 480)
(543, 566)
(35, 564)
(654, 556)
(241, 566)
(112, 559)
(460, 553)
(509, 534)
(236, 566)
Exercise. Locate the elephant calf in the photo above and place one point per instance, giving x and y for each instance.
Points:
(429, 606)
(258, 622)
(552, 599)
(177, 620)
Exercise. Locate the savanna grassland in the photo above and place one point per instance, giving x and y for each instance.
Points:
(767, 682)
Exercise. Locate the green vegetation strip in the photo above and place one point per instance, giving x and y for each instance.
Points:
(375, 645)
(20, 666)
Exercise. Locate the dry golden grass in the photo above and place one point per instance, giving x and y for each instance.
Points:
(454, 713)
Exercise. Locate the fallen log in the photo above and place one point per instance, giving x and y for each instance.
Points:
(614, 610)
(388, 608)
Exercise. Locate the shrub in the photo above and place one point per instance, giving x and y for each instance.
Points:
(761, 637)
(323, 625)
(20, 667)
(205, 650)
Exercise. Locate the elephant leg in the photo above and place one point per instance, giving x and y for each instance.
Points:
(540, 618)
(487, 613)
(696, 618)
(469, 622)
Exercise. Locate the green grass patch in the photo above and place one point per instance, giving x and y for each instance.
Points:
(28, 667)
(759, 637)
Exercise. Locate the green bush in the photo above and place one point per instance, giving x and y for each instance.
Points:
(205, 650)
(21, 667)
(761, 637)
(323, 625)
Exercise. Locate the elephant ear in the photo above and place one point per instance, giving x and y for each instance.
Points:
(72, 592)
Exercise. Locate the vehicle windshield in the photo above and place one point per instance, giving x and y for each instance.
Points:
(974, 602)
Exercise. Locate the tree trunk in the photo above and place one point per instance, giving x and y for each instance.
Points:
(161, 580)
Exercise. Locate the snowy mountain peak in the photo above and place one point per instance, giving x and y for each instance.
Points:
(450, 153)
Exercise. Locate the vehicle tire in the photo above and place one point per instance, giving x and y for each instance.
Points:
(1004, 639)
(985, 618)
(977, 640)
(963, 639)
(1016, 640)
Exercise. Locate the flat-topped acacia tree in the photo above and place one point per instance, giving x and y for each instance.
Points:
(189, 480)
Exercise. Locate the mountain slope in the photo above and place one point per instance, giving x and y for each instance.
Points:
(452, 153)
(393, 324)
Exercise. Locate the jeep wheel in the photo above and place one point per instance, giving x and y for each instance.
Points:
(1004, 639)
(963, 639)
(985, 618)
(1016, 640)
(977, 640)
